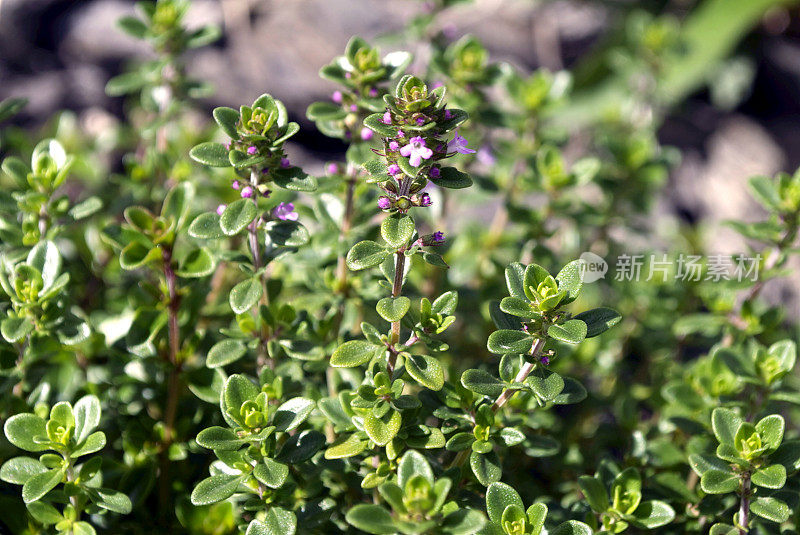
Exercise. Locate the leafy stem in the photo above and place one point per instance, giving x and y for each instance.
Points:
(523, 373)
(397, 289)
(744, 505)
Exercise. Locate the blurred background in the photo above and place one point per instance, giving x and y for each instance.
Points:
(732, 111)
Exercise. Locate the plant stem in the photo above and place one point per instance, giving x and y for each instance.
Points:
(397, 289)
(255, 249)
(744, 505)
(347, 223)
(523, 373)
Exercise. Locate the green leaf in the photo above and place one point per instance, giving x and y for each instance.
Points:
(286, 233)
(301, 447)
(445, 303)
(571, 331)
(44, 513)
(45, 257)
(111, 500)
(595, 493)
(277, 521)
(220, 438)
(237, 216)
(198, 263)
(215, 489)
(87, 416)
(227, 118)
(125, 83)
(515, 277)
(133, 26)
(353, 353)
(21, 429)
(325, 111)
(506, 341)
(86, 208)
(764, 190)
(371, 519)
(14, 329)
(40, 484)
(413, 463)
(572, 527)
(598, 320)
(517, 306)
(452, 178)
(271, 473)
(770, 429)
(211, 154)
(366, 254)
(788, 454)
(292, 413)
(486, 467)
(725, 424)
(20, 469)
(237, 390)
(346, 447)
(83, 528)
(570, 278)
(294, 179)
(546, 384)
(653, 514)
(375, 123)
(771, 509)
(771, 477)
(498, 497)
(482, 382)
(393, 308)
(714, 481)
(245, 295)
(397, 229)
(382, 430)
(462, 522)
(136, 254)
(94, 442)
(177, 201)
(426, 370)
(206, 227)
(225, 352)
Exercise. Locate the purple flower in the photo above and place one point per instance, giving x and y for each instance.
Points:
(438, 236)
(448, 114)
(387, 118)
(353, 107)
(485, 156)
(285, 162)
(333, 168)
(235, 184)
(337, 97)
(545, 360)
(394, 146)
(373, 92)
(435, 172)
(247, 192)
(348, 75)
(285, 212)
(228, 146)
(425, 200)
(393, 169)
(437, 85)
(251, 150)
(400, 134)
(416, 151)
(384, 203)
(459, 145)
(266, 193)
(366, 134)
(420, 121)
(221, 208)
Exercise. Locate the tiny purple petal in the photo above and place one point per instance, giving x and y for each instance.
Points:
(285, 163)
(373, 92)
(285, 212)
(236, 185)
(394, 146)
(393, 169)
(425, 200)
(486, 157)
(438, 236)
(384, 203)
(459, 145)
(251, 150)
(435, 172)
(221, 208)
(337, 97)
(401, 134)
(366, 134)
(348, 75)
(387, 118)
(437, 85)
(420, 121)
(247, 192)
(416, 151)
(545, 360)
(332, 168)
(353, 107)
(448, 114)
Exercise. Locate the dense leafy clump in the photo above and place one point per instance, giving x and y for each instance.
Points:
(254, 346)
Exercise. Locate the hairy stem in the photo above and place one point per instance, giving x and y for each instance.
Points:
(347, 223)
(255, 249)
(397, 289)
(524, 372)
(744, 505)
